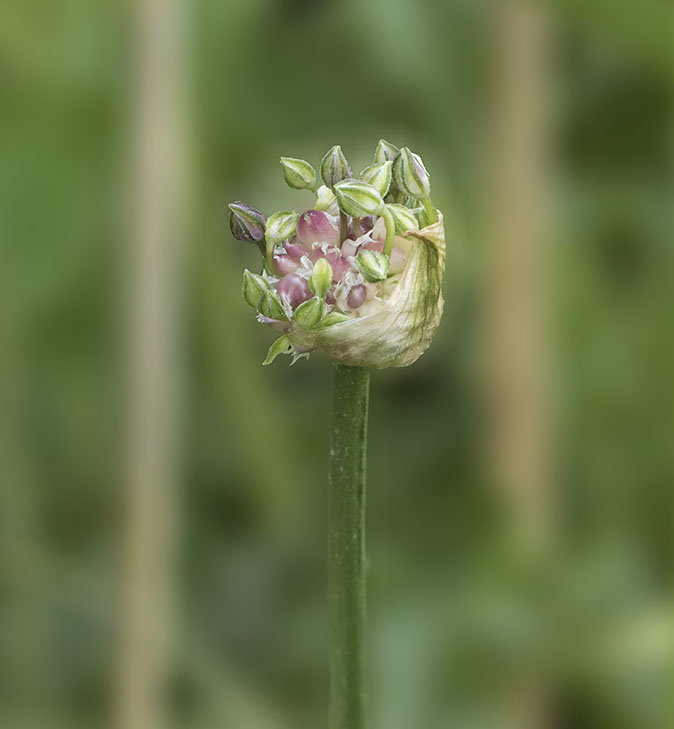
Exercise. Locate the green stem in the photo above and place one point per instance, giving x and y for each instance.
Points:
(343, 227)
(390, 230)
(429, 209)
(346, 547)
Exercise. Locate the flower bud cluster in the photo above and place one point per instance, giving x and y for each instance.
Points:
(359, 273)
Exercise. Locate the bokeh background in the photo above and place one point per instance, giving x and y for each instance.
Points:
(162, 496)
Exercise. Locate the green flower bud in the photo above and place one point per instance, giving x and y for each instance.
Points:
(358, 199)
(281, 227)
(334, 317)
(282, 345)
(321, 277)
(308, 315)
(410, 174)
(325, 200)
(379, 176)
(271, 307)
(373, 265)
(335, 167)
(298, 173)
(245, 222)
(385, 151)
(403, 218)
(253, 288)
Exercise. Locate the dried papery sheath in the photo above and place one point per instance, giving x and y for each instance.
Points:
(399, 328)
(335, 167)
(410, 174)
(299, 174)
(379, 176)
(245, 222)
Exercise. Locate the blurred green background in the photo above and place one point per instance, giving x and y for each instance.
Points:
(520, 475)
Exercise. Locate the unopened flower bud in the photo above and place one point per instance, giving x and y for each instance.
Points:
(253, 288)
(315, 226)
(358, 199)
(373, 265)
(281, 227)
(357, 296)
(271, 307)
(325, 199)
(335, 167)
(379, 176)
(309, 314)
(385, 151)
(294, 289)
(410, 174)
(298, 173)
(284, 264)
(334, 317)
(282, 345)
(321, 277)
(403, 218)
(245, 222)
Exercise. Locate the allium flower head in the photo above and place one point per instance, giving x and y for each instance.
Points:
(353, 275)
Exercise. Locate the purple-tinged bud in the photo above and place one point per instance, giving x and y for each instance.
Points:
(245, 222)
(385, 151)
(299, 174)
(335, 167)
(357, 296)
(282, 345)
(358, 199)
(330, 297)
(321, 277)
(285, 264)
(373, 265)
(309, 314)
(410, 174)
(315, 226)
(294, 289)
(296, 251)
(379, 176)
(281, 227)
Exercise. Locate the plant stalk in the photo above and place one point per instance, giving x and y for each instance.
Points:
(346, 547)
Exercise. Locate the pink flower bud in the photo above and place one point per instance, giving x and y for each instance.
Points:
(315, 226)
(294, 289)
(374, 245)
(357, 296)
(335, 258)
(296, 251)
(330, 297)
(285, 264)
